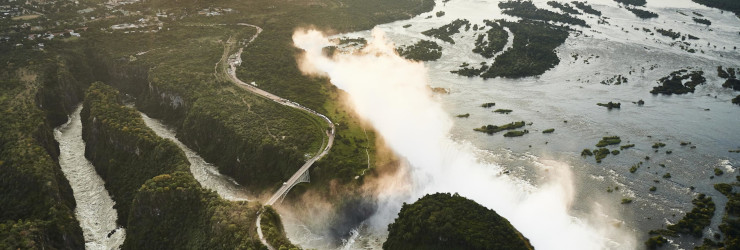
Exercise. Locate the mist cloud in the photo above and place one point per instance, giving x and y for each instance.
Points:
(393, 95)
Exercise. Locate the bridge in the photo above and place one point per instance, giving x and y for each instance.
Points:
(302, 174)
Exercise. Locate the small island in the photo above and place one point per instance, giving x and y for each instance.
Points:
(423, 50)
(503, 111)
(610, 105)
(491, 129)
(674, 83)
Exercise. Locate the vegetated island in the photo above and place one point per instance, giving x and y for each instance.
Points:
(491, 129)
(601, 151)
(586, 8)
(566, 8)
(503, 111)
(644, 14)
(534, 43)
(488, 104)
(679, 82)
(632, 2)
(730, 220)
(445, 32)
(615, 80)
(423, 50)
(445, 221)
(728, 5)
(693, 223)
(610, 105)
(730, 77)
(492, 41)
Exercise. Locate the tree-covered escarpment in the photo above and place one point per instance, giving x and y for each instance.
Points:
(162, 204)
(124, 151)
(256, 141)
(36, 201)
(444, 221)
(172, 211)
(273, 230)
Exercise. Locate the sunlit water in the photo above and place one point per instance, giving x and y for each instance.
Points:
(94, 205)
(206, 174)
(570, 91)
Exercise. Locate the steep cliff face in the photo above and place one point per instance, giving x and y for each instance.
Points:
(444, 221)
(124, 151)
(256, 141)
(36, 201)
(157, 198)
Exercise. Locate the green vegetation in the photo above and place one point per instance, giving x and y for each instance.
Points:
(736, 100)
(623, 147)
(702, 21)
(273, 230)
(658, 145)
(634, 168)
(718, 172)
(609, 140)
(466, 115)
(167, 208)
(527, 10)
(610, 105)
(491, 129)
(728, 5)
(488, 105)
(732, 83)
(667, 176)
(532, 53)
(692, 223)
(170, 73)
(516, 133)
(548, 131)
(36, 200)
(729, 73)
(674, 83)
(586, 8)
(445, 32)
(564, 7)
(440, 13)
(444, 221)
(632, 2)
(496, 38)
(615, 80)
(655, 242)
(423, 50)
(626, 200)
(615, 152)
(586, 152)
(503, 111)
(669, 33)
(644, 14)
(470, 71)
(124, 151)
(653, 189)
(731, 219)
(600, 154)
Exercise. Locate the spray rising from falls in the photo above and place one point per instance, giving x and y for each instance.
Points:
(392, 94)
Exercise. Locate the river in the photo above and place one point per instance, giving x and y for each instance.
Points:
(94, 205)
(565, 97)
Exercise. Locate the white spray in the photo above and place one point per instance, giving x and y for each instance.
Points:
(392, 94)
